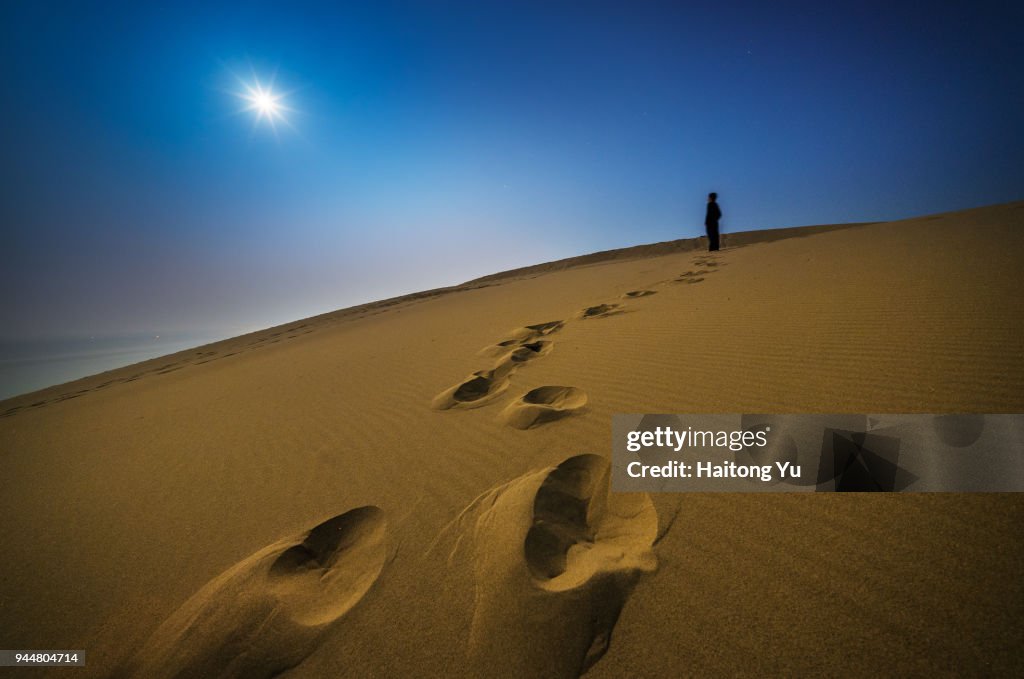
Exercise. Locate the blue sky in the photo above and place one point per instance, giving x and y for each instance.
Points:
(431, 143)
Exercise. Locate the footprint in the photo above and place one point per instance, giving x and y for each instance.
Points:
(521, 336)
(532, 332)
(528, 351)
(579, 527)
(693, 274)
(542, 405)
(556, 556)
(266, 613)
(518, 351)
(601, 310)
(640, 293)
(480, 388)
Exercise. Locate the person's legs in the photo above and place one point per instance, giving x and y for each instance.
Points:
(712, 237)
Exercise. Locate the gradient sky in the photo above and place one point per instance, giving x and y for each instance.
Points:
(435, 142)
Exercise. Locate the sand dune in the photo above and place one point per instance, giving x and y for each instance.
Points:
(171, 517)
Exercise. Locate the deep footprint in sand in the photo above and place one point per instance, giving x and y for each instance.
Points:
(556, 557)
(528, 351)
(478, 389)
(529, 333)
(545, 328)
(532, 332)
(691, 277)
(543, 404)
(517, 351)
(484, 385)
(266, 613)
(694, 274)
(522, 336)
(601, 311)
(640, 293)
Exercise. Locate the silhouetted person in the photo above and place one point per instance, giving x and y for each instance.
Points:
(711, 221)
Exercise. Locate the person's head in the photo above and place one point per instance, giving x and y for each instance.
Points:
(712, 197)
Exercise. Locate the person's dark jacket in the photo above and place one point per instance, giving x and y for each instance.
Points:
(713, 215)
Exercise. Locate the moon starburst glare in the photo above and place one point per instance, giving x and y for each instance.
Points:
(267, 103)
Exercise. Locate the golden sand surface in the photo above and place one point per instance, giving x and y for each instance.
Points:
(418, 487)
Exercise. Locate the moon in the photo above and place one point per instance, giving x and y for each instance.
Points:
(268, 104)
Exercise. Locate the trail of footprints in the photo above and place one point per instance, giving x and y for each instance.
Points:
(548, 403)
(544, 404)
(600, 311)
(706, 264)
(537, 406)
(553, 544)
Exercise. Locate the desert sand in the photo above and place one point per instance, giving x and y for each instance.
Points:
(418, 487)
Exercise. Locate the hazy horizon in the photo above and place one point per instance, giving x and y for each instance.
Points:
(31, 364)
